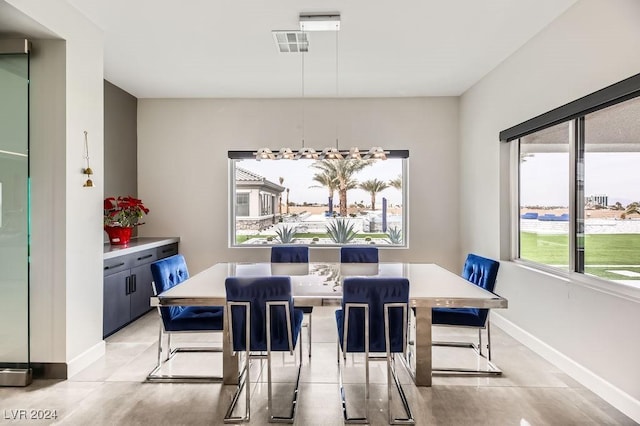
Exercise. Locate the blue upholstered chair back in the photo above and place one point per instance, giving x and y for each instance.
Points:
(374, 291)
(481, 271)
(257, 291)
(359, 254)
(168, 273)
(290, 254)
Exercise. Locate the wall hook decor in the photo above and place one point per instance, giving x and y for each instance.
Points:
(87, 171)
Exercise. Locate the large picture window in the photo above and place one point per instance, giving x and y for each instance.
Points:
(318, 202)
(578, 186)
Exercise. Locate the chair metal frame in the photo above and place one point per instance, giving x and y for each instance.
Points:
(491, 370)
(154, 377)
(389, 358)
(308, 325)
(306, 314)
(244, 377)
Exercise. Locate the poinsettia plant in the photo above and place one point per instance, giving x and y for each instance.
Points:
(123, 211)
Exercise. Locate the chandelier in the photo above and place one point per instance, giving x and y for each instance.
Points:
(317, 22)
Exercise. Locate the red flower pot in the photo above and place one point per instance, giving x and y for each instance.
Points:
(118, 235)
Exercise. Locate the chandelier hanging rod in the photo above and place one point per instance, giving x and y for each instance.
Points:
(320, 22)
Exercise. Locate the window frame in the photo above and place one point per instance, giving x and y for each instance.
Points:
(574, 113)
(244, 155)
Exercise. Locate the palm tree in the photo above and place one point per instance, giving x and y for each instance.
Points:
(325, 179)
(342, 173)
(373, 186)
(396, 183)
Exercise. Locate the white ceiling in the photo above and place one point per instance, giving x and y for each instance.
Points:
(224, 48)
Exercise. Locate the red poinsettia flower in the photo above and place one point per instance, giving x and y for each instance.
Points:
(124, 212)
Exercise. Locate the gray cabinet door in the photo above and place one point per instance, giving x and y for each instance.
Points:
(117, 311)
(142, 291)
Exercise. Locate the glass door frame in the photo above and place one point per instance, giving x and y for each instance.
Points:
(20, 373)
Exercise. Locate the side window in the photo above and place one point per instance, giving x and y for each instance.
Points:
(612, 193)
(544, 196)
(579, 191)
(242, 204)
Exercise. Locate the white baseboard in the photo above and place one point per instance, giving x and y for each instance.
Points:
(605, 390)
(85, 359)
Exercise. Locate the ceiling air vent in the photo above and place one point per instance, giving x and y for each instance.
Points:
(291, 41)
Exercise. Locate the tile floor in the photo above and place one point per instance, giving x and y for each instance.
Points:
(112, 390)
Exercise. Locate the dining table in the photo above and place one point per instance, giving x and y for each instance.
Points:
(430, 286)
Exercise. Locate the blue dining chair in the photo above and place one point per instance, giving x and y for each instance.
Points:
(483, 273)
(262, 319)
(295, 254)
(167, 273)
(373, 319)
(290, 254)
(359, 254)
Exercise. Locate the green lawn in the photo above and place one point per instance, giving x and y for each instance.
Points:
(600, 249)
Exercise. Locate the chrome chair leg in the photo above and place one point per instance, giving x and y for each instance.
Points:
(391, 373)
(159, 346)
(154, 377)
(168, 346)
(489, 340)
(229, 418)
(491, 370)
(243, 381)
(309, 335)
(294, 403)
(391, 370)
(246, 382)
(346, 418)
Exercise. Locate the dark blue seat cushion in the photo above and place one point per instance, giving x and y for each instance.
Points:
(481, 272)
(470, 317)
(290, 254)
(257, 291)
(374, 291)
(359, 254)
(168, 273)
(199, 318)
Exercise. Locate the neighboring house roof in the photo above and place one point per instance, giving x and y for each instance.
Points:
(246, 178)
(246, 175)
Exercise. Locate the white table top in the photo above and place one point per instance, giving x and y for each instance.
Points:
(430, 285)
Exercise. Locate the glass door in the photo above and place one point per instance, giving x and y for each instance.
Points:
(14, 213)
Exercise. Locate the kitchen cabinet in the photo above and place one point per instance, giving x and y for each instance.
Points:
(127, 281)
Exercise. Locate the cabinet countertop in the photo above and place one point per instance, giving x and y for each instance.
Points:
(137, 244)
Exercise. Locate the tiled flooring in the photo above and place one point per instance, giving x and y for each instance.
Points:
(112, 390)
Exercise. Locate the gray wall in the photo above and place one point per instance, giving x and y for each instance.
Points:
(183, 166)
(586, 327)
(120, 142)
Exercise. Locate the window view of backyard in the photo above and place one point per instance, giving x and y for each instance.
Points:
(319, 202)
(607, 243)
